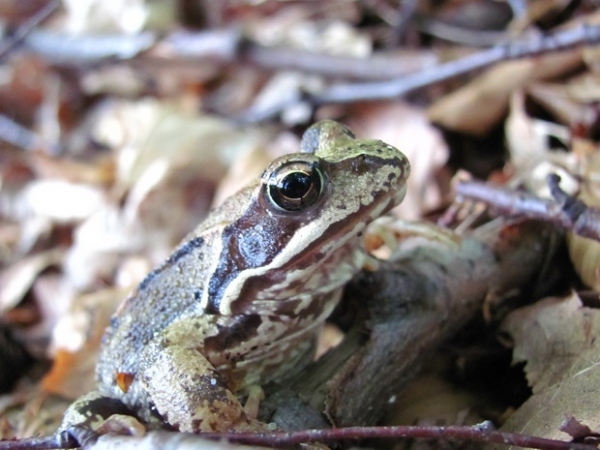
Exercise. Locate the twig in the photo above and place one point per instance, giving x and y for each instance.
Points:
(518, 49)
(459, 35)
(352, 92)
(563, 210)
(28, 27)
(483, 433)
(379, 66)
(225, 45)
(38, 443)
(479, 433)
(18, 135)
(64, 48)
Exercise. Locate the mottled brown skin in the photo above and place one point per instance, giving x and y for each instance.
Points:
(242, 299)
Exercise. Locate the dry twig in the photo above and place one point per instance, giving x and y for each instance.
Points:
(24, 30)
(347, 93)
(483, 433)
(563, 210)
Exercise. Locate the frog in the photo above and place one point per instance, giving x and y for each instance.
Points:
(241, 301)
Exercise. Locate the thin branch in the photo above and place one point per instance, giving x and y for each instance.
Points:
(353, 92)
(66, 48)
(28, 27)
(479, 433)
(345, 93)
(38, 443)
(17, 135)
(379, 66)
(459, 35)
(483, 433)
(563, 210)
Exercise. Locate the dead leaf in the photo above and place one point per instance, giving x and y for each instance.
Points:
(558, 339)
(584, 252)
(481, 104)
(531, 156)
(430, 400)
(558, 99)
(17, 279)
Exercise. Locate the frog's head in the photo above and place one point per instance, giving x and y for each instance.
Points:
(298, 233)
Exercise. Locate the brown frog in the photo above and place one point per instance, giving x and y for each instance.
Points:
(241, 301)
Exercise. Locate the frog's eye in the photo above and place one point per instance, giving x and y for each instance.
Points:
(295, 186)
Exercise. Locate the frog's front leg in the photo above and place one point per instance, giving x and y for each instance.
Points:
(188, 392)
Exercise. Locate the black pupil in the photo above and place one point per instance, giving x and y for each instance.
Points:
(295, 185)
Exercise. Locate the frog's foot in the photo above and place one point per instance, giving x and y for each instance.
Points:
(386, 236)
(85, 418)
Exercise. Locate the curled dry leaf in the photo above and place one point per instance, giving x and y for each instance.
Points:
(18, 278)
(287, 88)
(558, 339)
(531, 156)
(561, 102)
(533, 160)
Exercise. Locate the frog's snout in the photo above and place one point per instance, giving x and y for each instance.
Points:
(401, 175)
(404, 167)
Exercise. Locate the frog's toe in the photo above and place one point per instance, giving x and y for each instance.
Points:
(255, 396)
(81, 434)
